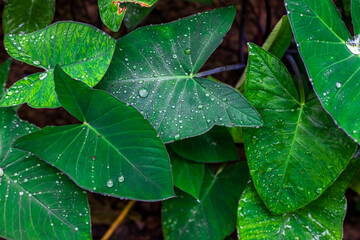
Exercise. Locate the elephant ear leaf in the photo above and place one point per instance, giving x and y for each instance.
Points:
(155, 70)
(118, 150)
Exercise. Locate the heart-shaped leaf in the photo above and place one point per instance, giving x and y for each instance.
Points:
(321, 219)
(36, 200)
(115, 151)
(154, 69)
(4, 72)
(112, 12)
(331, 57)
(214, 146)
(83, 51)
(185, 217)
(188, 175)
(289, 156)
(27, 16)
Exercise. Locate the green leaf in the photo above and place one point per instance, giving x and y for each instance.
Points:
(237, 134)
(154, 69)
(333, 67)
(321, 219)
(37, 201)
(214, 146)
(289, 156)
(355, 185)
(4, 72)
(112, 12)
(27, 16)
(213, 216)
(355, 13)
(83, 51)
(115, 151)
(135, 14)
(188, 176)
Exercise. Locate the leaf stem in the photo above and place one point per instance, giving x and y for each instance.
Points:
(221, 69)
(298, 77)
(119, 219)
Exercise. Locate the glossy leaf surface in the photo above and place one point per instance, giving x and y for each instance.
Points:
(4, 72)
(214, 146)
(289, 156)
(27, 16)
(154, 69)
(188, 175)
(213, 216)
(115, 151)
(83, 51)
(321, 219)
(36, 200)
(333, 67)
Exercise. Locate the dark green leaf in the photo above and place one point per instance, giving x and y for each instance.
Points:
(83, 51)
(213, 216)
(237, 134)
(289, 156)
(321, 219)
(355, 13)
(4, 72)
(37, 201)
(188, 176)
(214, 146)
(332, 64)
(154, 69)
(115, 151)
(27, 16)
(135, 14)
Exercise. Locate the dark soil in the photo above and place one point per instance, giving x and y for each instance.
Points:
(144, 220)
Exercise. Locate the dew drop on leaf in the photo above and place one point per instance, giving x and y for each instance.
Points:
(188, 51)
(1, 172)
(121, 179)
(338, 85)
(143, 92)
(174, 56)
(110, 183)
(201, 107)
(177, 137)
(353, 44)
(224, 99)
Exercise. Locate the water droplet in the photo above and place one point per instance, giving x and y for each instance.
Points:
(143, 92)
(36, 62)
(338, 85)
(110, 183)
(224, 99)
(353, 44)
(42, 76)
(1, 172)
(174, 56)
(93, 157)
(188, 51)
(177, 137)
(269, 170)
(21, 193)
(318, 190)
(134, 67)
(201, 107)
(121, 179)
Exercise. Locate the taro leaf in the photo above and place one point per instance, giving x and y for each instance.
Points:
(112, 12)
(188, 175)
(289, 156)
(154, 69)
(213, 216)
(214, 146)
(115, 151)
(4, 72)
(355, 13)
(333, 67)
(27, 16)
(135, 14)
(37, 201)
(83, 51)
(321, 219)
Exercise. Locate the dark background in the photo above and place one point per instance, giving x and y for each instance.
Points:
(254, 21)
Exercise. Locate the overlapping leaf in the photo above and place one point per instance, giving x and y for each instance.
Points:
(135, 14)
(333, 67)
(214, 146)
(115, 151)
(321, 219)
(37, 201)
(27, 16)
(4, 72)
(154, 69)
(83, 51)
(289, 156)
(213, 216)
(355, 13)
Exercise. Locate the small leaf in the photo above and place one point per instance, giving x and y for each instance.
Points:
(83, 51)
(154, 69)
(289, 156)
(4, 72)
(213, 216)
(36, 200)
(115, 151)
(321, 219)
(214, 146)
(27, 16)
(188, 176)
(355, 13)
